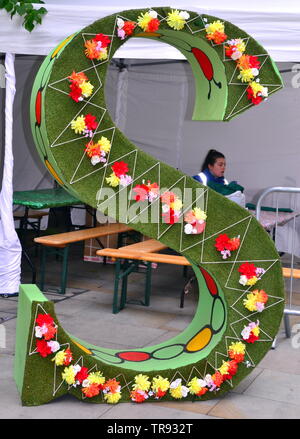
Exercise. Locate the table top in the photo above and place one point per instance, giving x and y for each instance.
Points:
(45, 198)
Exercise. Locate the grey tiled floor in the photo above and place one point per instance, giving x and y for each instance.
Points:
(272, 390)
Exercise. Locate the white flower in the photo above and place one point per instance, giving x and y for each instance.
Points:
(175, 383)
(236, 55)
(201, 383)
(165, 208)
(76, 368)
(95, 159)
(85, 383)
(54, 345)
(194, 231)
(184, 15)
(264, 92)
(246, 332)
(120, 22)
(38, 332)
(243, 280)
(188, 229)
(184, 391)
(255, 71)
(153, 14)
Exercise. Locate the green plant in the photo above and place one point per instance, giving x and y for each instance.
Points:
(25, 9)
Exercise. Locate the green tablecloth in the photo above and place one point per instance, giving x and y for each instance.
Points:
(45, 198)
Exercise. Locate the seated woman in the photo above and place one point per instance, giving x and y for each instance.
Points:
(213, 168)
(212, 175)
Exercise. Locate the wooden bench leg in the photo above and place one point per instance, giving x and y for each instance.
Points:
(148, 283)
(43, 268)
(64, 252)
(64, 272)
(115, 308)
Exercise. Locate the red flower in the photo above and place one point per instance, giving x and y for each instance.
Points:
(232, 370)
(160, 393)
(250, 95)
(43, 349)
(202, 391)
(239, 358)
(137, 396)
(229, 51)
(234, 243)
(168, 197)
(68, 357)
(254, 62)
(103, 38)
(120, 168)
(82, 374)
(90, 121)
(51, 331)
(217, 378)
(223, 242)
(248, 270)
(170, 217)
(142, 192)
(92, 390)
(252, 338)
(44, 319)
(153, 25)
(128, 27)
(76, 92)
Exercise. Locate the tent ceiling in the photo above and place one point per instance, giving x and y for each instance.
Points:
(276, 25)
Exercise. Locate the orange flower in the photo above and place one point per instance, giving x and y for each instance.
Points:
(244, 62)
(234, 243)
(92, 149)
(202, 391)
(91, 49)
(51, 331)
(239, 358)
(217, 378)
(217, 37)
(112, 385)
(261, 296)
(92, 390)
(78, 78)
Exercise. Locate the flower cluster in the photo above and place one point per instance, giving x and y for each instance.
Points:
(112, 391)
(80, 86)
(125, 28)
(159, 387)
(140, 388)
(171, 207)
(119, 175)
(226, 245)
(250, 274)
(215, 32)
(195, 220)
(85, 125)
(256, 300)
(96, 48)
(177, 19)
(98, 151)
(248, 66)
(148, 21)
(251, 332)
(45, 331)
(149, 191)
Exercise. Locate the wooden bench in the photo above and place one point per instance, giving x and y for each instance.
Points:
(59, 244)
(146, 252)
(143, 255)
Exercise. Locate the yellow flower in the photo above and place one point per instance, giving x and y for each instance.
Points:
(59, 358)
(113, 180)
(176, 20)
(78, 125)
(199, 214)
(256, 331)
(215, 26)
(143, 20)
(87, 88)
(256, 87)
(141, 382)
(160, 383)
(224, 368)
(176, 392)
(176, 205)
(102, 54)
(69, 375)
(237, 348)
(250, 302)
(194, 386)
(112, 398)
(241, 46)
(96, 378)
(104, 144)
(252, 281)
(246, 75)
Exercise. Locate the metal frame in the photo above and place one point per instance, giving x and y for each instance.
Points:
(289, 190)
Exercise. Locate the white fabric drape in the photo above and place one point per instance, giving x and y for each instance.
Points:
(275, 25)
(10, 247)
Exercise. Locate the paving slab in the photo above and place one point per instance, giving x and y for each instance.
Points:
(284, 357)
(236, 406)
(150, 410)
(243, 386)
(276, 386)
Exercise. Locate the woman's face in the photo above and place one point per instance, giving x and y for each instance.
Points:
(218, 168)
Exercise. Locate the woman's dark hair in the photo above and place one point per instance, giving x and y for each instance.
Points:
(211, 158)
